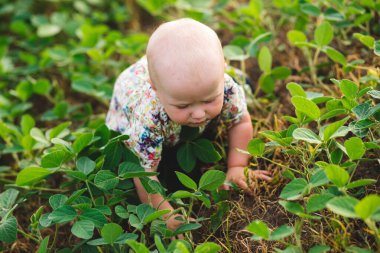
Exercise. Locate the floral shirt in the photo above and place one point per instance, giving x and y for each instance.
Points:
(136, 111)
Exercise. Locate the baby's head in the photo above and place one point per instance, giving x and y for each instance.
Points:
(186, 68)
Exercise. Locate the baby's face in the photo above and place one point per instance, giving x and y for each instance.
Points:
(193, 104)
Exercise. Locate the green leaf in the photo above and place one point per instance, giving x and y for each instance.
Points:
(267, 83)
(93, 215)
(155, 215)
(355, 148)
(186, 157)
(44, 245)
(295, 36)
(360, 183)
(280, 73)
(307, 135)
(376, 48)
(265, 59)
(323, 34)
(292, 207)
(319, 249)
(344, 206)
(337, 175)
(38, 135)
(281, 232)
(31, 175)
(143, 211)
(55, 159)
(374, 93)
(259, 228)
(336, 56)
(367, 40)
(319, 178)
(110, 232)
(295, 189)
(186, 180)
(48, 30)
(83, 229)
(137, 247)
(310, 9)
(106, 180)
(82, 141)
(318, 202)
(131, 170)
(256, 147)
(27, 123)
(85, 165)
(121, 212)
(367, 206)
(63, 214)
(205, 151)
(306, 106)
(186, 227)
(331, 129)
(295, 89)
(8, 199)
(8, 230)
(207, 247)
(234, 53)
(211, 180)
(59, 131)
(181, 194)
(57, 200)
(349, 88)
(354, 249)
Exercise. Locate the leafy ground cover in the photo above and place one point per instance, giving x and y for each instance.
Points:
(65, 179)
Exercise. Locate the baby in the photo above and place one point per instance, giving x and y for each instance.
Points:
(180, 82)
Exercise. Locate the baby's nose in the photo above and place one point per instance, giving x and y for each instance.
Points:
(198, 114)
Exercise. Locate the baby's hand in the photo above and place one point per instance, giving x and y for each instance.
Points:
(237, 176)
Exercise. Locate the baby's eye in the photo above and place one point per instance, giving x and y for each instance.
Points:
(181, 106)
(209, 101)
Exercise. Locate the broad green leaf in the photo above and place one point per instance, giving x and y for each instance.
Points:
(354, 249)
(349, 88)
(307, 135)
(85, 165)
(360, 183)
(267, 83)
(44, 245)
(144, 210)
(281, 232)
(319, 249)
(280, 73)
(38, 135)
(355, 148)
(323, 34)
(55, 159)
(306, 106)
(31, 175)
(310, 9)
(265, 59)
(181, 194)
(110, 232)
(186, 180)
(155, 215)
(186, 227)
(83, 229)
(93, 215)
(8, 230)
(367, 40)
(318, 202)
(374, 93)
(207, 247)
(337, 175)
(318, 178)
(48, 30)
(137, 247)
(295, 89)
(131, 170)
(121, 240)
(332, 128)
(159, 244)
(106, 180)
(59, 131)
(292, 207)
(8, 199)
(27, 123)
(135, 222)
(367, 206)
(186, 157)
(259, 228)
(296, 36)
(234, 53)
(211, 180)
(289, 249)
(256, 147)
(121, 212)
(63, 214)
(295, 189)
(344, 206)
(82, 141)
(333, 15)
(205, 151)
(57, 200)
(376, 48)
(336, 56)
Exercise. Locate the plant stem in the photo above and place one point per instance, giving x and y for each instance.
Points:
(372, 225)
(28, 235)
(89, 190)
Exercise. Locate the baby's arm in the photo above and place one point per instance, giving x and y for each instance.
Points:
(157, 201)
(239, 135)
